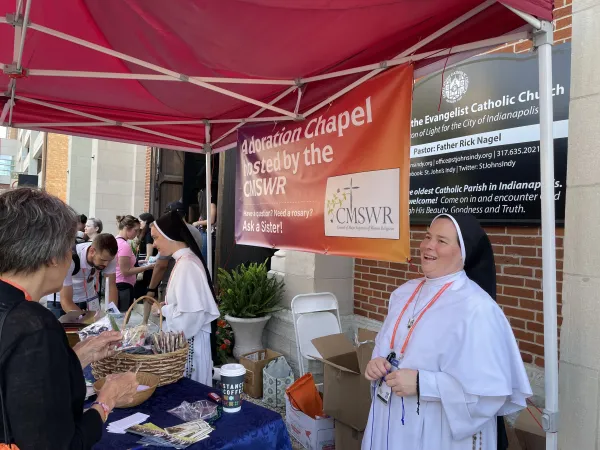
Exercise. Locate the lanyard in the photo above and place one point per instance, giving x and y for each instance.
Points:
(16, 286)
(97, 279)
(412, 328)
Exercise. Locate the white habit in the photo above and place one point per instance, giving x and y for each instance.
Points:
(469, 364)
(190, 307)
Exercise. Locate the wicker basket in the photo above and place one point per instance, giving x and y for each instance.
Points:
(168, 366)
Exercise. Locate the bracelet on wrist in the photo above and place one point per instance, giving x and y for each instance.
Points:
(105, 408)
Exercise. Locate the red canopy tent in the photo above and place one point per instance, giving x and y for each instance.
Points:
(185, 74)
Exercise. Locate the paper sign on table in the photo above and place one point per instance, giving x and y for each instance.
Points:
(120, 426)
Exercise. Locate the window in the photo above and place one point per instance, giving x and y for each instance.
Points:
(5, 165)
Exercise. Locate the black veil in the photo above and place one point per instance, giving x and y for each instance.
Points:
(480, 267)
(172, 226)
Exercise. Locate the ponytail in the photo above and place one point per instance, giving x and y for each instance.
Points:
(127, 221)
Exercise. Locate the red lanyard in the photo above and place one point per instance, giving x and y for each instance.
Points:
(16, 286)
(97, 278)
(414, 325)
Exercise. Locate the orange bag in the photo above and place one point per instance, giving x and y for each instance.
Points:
(304, 396)
(6, 447)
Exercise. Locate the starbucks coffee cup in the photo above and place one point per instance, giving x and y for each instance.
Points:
(232, 380)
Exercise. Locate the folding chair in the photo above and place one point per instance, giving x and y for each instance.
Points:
(314, 315)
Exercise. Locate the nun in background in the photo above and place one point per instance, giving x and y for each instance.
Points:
(190, 303)
(446, 363)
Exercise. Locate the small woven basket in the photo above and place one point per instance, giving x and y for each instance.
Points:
(168, 366)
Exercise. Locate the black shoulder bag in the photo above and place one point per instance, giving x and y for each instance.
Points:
(5, 308)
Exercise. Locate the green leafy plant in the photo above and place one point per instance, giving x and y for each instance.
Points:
(248, 292)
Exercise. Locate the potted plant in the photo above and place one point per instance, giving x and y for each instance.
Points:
(248, 295)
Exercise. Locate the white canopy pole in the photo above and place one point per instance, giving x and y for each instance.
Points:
(404, 54)
(20, 34)
(152, 77)
(157, 123)
(543, 41)
(258, 112)
(104, 120)
(156, 68)
(208, 201)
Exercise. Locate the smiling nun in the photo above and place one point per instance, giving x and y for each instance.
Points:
(446, 363)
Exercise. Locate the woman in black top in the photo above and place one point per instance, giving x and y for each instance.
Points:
(146, 248)
(145, 238)
(41, 377)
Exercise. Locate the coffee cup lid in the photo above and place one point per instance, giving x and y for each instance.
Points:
(232, 370)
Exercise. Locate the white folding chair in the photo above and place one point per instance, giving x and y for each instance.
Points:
(314, 315)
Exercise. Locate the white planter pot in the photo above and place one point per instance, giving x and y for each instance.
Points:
(248, 334)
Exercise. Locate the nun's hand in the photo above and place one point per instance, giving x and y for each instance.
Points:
(403, 382)
(377, 369)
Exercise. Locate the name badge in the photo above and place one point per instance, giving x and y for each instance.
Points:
(384, 392)
(93, 305)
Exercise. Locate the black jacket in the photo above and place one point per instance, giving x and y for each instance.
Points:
(42, 381)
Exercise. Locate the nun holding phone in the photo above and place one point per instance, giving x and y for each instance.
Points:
(446, 365)
(190, 303)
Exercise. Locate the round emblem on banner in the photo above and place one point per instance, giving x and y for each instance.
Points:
(455, 86)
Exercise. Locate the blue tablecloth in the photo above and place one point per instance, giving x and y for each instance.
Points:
(253, 428)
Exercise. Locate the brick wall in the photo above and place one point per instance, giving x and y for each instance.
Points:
(148, 179)
(562, 29)
(518, 255)
(517, 251)
(57, 165)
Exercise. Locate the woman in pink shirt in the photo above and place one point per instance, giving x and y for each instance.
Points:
(127, 271)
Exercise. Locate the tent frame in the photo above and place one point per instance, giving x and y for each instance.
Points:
(542, 39)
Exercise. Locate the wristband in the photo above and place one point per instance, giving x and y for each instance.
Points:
(155, 290)
(104, 407)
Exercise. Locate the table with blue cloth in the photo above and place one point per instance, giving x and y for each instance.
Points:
(254, 427)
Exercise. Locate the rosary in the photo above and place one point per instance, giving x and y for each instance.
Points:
(480, 441)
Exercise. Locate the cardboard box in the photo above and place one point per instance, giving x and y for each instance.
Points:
(313, 434)
(347, 394)
(347, 438)
(254, 363)
(529, 435)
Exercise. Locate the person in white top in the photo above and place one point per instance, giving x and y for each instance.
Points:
(82, 285)
(446, 362)
(190, 302)
(93, 228)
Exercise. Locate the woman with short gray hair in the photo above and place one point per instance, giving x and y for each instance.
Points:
(42, 388)
(93, 228)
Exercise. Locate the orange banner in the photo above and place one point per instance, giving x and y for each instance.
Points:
(336, 183)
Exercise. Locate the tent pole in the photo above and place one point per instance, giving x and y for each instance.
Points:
(106, 121)
(491, 42)
(152, 77)
(224, 147)
(20, 33)
(543, 41)
(533, 21)
(383, 65)
(208, 200)
(258, 112)
(156, 68)
(157, 123)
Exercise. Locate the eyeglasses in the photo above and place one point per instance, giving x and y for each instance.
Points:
(91, 275)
